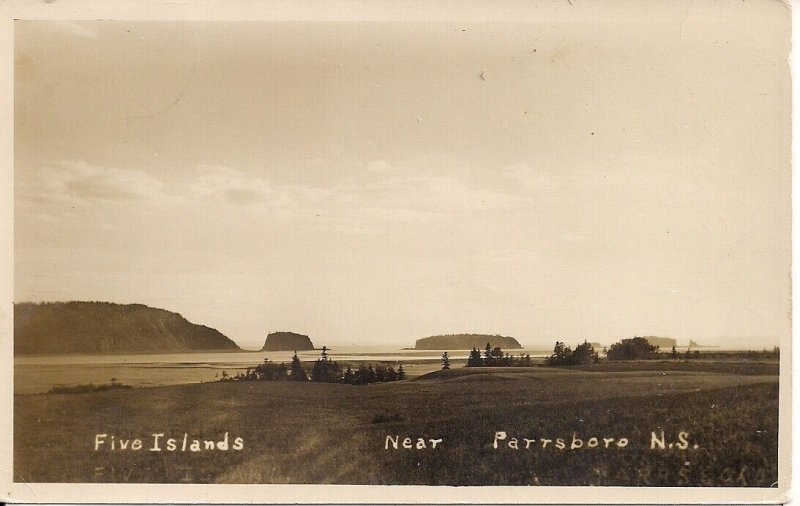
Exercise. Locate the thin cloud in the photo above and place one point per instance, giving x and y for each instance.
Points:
(368, 206)
(78, 181)
(220, 183)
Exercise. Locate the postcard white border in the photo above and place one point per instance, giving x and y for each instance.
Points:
(317, 10)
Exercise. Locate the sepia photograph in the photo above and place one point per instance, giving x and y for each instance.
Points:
(495, 252)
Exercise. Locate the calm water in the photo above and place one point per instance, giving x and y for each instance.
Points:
(36, 374)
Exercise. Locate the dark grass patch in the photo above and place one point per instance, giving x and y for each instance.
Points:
(89, 388)
(739, 367)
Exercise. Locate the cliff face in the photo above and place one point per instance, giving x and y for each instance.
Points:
(287, 341)
(465, 342)
(103, 327)
(663, 342)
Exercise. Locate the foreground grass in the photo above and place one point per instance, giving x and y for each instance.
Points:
(87, 389)
(323, 433)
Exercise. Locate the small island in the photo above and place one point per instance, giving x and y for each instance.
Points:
(287, 341)
(466, 342)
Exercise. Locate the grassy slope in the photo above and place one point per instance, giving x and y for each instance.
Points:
(316, 433)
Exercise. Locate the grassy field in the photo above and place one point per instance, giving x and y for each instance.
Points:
(331, 433)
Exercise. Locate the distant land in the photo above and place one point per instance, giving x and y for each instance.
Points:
(663, 342)
(104, 327)
(287, 341)
(465, 342)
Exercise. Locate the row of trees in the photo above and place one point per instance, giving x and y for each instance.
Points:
(564, 355)
(637, 348)
(494, 357)
(324, 370)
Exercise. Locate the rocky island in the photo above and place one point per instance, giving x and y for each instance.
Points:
(466, 342)
(287, 341)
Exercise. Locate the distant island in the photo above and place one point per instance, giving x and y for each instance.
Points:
(104, 327)
(662, 342)
(465, 342)
(287, 341)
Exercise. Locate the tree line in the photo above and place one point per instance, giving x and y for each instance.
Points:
(637, 348)
(627, 349)
(564, 355)
(323, 370)
(495, 357)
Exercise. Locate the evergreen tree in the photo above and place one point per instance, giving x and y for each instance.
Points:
(583, 354)
(560, 356)
(487, 354)
(324, 370)
(497, 355)
(318, 371)
(296, 372)
(445, 361)
(348, 376)
(474, 359)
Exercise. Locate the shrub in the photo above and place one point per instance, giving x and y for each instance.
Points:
(637, 348)
(563, 355)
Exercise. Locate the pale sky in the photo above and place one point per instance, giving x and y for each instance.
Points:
(585, 174)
